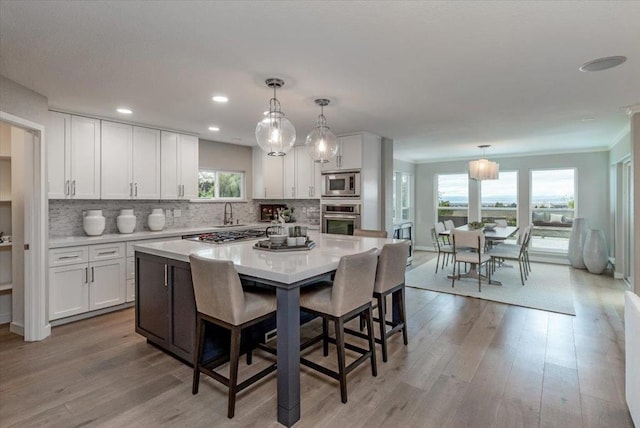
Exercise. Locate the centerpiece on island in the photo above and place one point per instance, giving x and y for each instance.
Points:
(476, 225)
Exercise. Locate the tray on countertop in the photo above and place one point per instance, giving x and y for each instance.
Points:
(267, 245)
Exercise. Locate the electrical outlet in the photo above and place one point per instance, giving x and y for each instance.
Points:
(250, 209)
(168, 213)
(177, 213)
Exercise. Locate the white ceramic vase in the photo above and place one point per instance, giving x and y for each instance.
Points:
(126, 221)
(93, 223)
(156, 219)
(596, 254)
(576, 243)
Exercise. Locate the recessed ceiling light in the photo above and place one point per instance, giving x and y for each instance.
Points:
(220, 99)
(587, 119)
(214, 128)
(124, 110)
(603, 63)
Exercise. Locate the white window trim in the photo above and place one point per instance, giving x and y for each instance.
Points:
(398, 196)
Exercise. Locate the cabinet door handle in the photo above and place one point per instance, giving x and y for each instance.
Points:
(73, 188)
(86, 275)
(166, 275)
(136, 187)
(66, 187)
(130, 189)
(67, 257)
(104, 253)
(92, 275)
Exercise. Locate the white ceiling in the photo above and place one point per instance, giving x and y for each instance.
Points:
(438, 78)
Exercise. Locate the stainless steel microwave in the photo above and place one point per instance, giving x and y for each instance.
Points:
(341, 183)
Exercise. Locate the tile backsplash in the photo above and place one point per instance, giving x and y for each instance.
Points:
(65, 216)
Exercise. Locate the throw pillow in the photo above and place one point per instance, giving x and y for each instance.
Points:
(537, 217)
(555, 218)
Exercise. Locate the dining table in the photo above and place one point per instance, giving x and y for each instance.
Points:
(493, 236)
(286, 272)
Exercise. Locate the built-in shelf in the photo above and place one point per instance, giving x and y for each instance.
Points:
(5, 157)
(5, 201)
(5, 244)
(6, 287)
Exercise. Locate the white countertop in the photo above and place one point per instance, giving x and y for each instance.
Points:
(59, 242)
(285, 267)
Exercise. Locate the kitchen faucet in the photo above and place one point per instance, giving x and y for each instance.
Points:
(228, 216)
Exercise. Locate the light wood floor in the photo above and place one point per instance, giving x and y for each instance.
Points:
(469, 363)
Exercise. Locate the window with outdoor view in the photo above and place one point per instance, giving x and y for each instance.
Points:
(402, 183)
(220, 184)
(499, 198)
(553, 208)
(453, 198)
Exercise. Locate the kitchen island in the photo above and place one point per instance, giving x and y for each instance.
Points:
(165, 306)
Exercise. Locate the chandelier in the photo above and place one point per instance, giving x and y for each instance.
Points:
(321, 142)
(275, 134)
(483, 169)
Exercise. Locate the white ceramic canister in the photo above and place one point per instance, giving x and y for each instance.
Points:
(156, 219)
(93, 223)
(126, 221)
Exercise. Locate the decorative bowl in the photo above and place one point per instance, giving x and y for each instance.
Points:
(278, 239)
(475, 225)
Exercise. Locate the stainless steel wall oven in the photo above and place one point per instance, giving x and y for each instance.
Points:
(340, 219)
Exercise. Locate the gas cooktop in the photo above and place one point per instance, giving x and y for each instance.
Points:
(228, 236)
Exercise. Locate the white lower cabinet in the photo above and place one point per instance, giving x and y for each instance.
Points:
(86, 278)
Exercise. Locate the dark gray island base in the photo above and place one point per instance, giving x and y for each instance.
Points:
(166, 316)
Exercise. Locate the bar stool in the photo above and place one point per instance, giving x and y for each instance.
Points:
(220, 300)
(392, 265)
(372, 233)
(340, 301)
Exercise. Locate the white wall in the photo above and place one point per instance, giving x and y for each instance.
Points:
(618, 153)
(592, 195)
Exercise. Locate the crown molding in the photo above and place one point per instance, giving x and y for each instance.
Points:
(633, 109)
(616, 139)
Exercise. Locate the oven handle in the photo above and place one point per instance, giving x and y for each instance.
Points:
(345, 216)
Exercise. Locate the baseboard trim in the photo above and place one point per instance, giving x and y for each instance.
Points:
(5, 318)
(91, 314)
(16, 328)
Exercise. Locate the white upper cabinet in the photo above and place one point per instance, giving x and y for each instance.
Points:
(289, 169)
(117, 148)
(179, 166)
(146, 163)
(130, 162)
(349, 154)
(59, 154)
(307, 175)
(268, 175)
(73, 156)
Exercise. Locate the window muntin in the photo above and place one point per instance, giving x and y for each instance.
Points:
(402, 197)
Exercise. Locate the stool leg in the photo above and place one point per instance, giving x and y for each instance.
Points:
(372, 341)
(341, 366)
(325, 335)
(198, 354)
(233, 370)
(403, 317)
(382, 316)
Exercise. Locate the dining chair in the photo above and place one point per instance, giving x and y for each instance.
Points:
(444, 250)
(370, 233)
(500, 222)
(341, 300)
(439, 227)
(511, 252)
(448, 225)
(220, 300)
(469, 247)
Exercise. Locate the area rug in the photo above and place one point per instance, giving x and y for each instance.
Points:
(548, 287)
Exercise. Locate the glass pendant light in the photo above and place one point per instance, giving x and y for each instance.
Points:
(483, 169)
(321, 142)
(275, 134)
